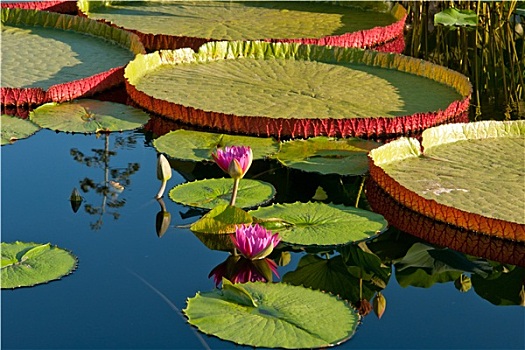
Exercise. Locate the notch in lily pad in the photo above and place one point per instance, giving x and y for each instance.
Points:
(88, 116)
(25, 264)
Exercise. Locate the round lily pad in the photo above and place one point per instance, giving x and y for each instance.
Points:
(88, 116)
(273, 315)
(469, 175)
(290, 90)
(209, 193)
(320, 224)
(327, 155)
(27, 264)
(199, 145)
(68, 64)
(174, 24)
(14, 128)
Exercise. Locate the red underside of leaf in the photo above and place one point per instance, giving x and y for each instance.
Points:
(439, 233)
(294, 128)
(62, 92)
(470, 221)
(69, 7)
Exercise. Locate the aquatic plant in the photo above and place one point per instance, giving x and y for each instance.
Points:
(254, 241)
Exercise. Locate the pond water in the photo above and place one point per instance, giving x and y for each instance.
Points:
(130, 285)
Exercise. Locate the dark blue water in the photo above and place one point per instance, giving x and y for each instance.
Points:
(104, 304)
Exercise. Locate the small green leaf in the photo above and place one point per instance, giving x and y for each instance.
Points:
(14, 128)
(237, 294)
(221, 219)
(457, 18)
(209, 193)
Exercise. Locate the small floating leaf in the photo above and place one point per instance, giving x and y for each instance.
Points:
(88, 116)
(298, 317)
(221, 219)
(327, 155)
(321, 224)
(28, 264)
(14, 128)
(198, 145)
(209, 193)
(457, 18)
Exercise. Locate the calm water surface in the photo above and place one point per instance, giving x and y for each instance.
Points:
(105, 305)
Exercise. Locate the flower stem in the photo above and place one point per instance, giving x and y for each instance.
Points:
(161, 190)
(234, 191)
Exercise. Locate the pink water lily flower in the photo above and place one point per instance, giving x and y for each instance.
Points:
(254, 241)
(234, 160)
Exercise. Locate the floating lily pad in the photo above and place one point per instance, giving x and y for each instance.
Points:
(221, 219)
(272, 315)
(172, 24)
(469, 175)
(88, 116)
(27, 264)
(326, 155)
(279, 89)
(198, 145)
(68, 64)
(60, 6)
(209, 193)
(457, 18)
(14, 128)
(319, 224)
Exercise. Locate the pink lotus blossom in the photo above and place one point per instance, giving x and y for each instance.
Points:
(234, 160)
(254, 241)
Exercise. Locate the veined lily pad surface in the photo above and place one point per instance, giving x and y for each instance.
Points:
(88, 116)
(296, 90)
(14, 128)
(327, 156)
(199, 145)
(469, 175)
(26, 264)
(273, 315)
(209, 193)
(174, 24)
(319, 224)
(57, 57)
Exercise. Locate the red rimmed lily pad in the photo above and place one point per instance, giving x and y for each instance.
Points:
(292, 90)
(469, 175)
(48, 56)
(176, 24)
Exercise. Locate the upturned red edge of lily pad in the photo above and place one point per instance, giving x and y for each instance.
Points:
(512, 231)
(389, 38)
(443, 234)
(294, 127)
(67, 6)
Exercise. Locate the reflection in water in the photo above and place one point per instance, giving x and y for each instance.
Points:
(162, 219)
(238, 269)
(114, 182)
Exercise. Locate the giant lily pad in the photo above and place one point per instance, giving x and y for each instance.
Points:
(327, 156)
(26, 264)
(209, 193)
(468, 175)
(319, 224)
(68, 64)
(296, 90)
(60, 6)
(199, 145)
(272, 315)
(14, 128)
(172, 24)
(88, 116)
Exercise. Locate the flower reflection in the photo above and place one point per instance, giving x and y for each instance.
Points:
(238, 269)
(254, 241)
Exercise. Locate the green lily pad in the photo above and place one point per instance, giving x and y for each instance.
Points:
(199, 145)
(221, 219)
(327, 155)
(273, 315)
(457, 18)
(318, 223)
(282, 89)
(27, 264)
(469, 175)
(88, 116)
(209, 193)
(14, 128)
